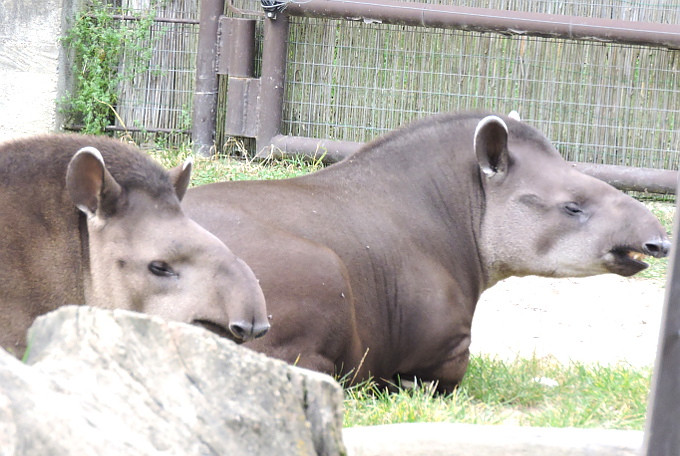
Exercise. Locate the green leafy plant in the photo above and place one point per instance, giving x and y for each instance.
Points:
(97, 42)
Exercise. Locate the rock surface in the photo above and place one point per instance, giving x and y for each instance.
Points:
(116, 382)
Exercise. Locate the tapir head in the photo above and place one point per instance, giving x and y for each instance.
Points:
(146, 255)
(542, 217)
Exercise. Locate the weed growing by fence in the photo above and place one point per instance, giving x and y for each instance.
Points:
(96, 43)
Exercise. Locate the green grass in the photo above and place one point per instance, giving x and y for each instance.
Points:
(528, 392)
(227, 168)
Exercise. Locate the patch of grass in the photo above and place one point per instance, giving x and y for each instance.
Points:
(227, 168)
(367, 405)
(530, 392)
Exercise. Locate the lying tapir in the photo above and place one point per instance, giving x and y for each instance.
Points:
(375, 264)
(90, 220)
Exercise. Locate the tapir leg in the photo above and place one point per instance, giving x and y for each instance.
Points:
(437, 322)
(448, 374)
(310, 301)
(314, 330)
(16, 319)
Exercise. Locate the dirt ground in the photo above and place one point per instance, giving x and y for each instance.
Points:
(604, 319)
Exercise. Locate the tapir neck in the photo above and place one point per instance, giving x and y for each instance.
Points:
(435, 200)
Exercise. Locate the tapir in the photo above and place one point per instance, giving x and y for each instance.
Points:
(373, 266)
(91, 220)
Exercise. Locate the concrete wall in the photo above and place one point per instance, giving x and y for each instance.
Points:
(32, 69)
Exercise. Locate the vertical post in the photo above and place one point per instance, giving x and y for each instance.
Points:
(205, 94)
(272, 79)
(662, 433)
(237, 60)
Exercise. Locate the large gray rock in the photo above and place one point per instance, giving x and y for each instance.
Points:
(116, 383)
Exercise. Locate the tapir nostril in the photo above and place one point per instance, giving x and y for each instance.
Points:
(659, 248)
(260, 330)
(239, 330)
(247, 331)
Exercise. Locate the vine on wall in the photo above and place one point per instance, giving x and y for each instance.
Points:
(96, 43)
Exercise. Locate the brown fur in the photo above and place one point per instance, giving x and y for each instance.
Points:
(46, 243)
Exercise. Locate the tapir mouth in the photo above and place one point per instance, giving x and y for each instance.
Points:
(627, 261)
(218, 329)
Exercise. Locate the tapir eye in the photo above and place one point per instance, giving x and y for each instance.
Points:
(161, 269)
(573, 209)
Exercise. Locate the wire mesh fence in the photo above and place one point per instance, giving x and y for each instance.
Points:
(599, 102)
(158, 98)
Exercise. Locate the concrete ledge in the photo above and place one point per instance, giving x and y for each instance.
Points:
(452, 439)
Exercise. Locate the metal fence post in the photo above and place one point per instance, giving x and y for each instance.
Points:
(662, 433)
(205, 94)
(270, 106)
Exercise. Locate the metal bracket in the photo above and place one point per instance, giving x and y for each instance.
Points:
(236, 46)
(236, 59)
(273, 7)
(242, 102)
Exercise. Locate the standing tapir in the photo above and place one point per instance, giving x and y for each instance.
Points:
(374, 265)
(90, 220)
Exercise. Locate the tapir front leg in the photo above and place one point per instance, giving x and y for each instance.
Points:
(448, 373)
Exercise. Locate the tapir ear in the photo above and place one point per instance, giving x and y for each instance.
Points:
(180, 176)
(91, 187)
(491, 145)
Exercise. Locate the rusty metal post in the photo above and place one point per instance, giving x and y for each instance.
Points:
(662, 433)
(205, 94)
(262, 119)
(270, 102)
